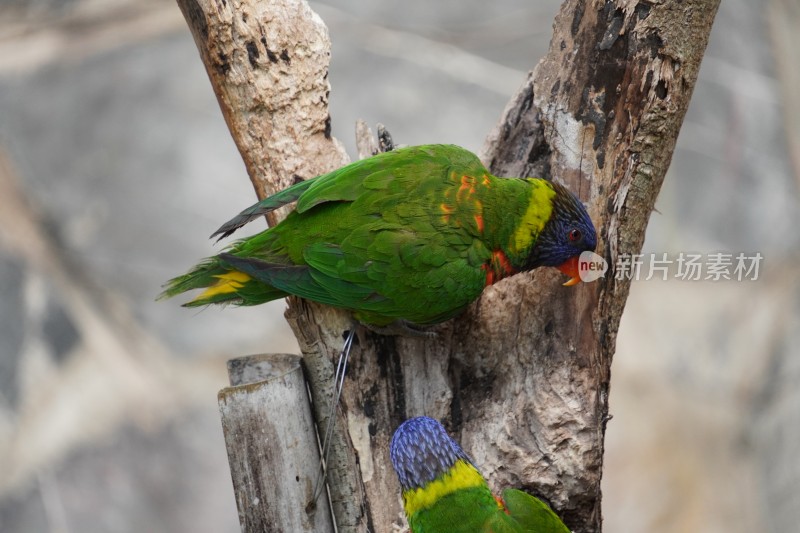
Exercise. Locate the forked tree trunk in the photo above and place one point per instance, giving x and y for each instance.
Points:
(522, 378)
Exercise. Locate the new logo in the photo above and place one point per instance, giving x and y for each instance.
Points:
(591, 266)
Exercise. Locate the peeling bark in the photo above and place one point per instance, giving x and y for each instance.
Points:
(522, 378)
(600, 113)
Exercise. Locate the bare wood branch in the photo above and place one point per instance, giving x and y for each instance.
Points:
(318, 330)
(523, 376)
(366, 142)
(268, 65)
(601, 113)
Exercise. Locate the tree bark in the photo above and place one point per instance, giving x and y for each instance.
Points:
(522, 378)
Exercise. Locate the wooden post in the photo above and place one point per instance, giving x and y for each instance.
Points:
(272, 446)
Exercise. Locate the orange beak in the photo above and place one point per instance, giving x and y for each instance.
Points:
(570, 268)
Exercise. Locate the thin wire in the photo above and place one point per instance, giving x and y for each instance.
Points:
(338, 381)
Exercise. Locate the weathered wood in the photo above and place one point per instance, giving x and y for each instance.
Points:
(319, 332)
(268, 65)
(600, 113)
(522, 379)
(272, 446)
(366, 142)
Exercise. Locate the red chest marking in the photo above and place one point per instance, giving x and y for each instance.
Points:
(501, 504)
(497, 268)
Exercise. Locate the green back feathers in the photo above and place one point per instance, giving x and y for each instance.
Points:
(464, 511)
(532, 514)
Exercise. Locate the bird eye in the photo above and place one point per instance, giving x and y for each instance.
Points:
(574, 235)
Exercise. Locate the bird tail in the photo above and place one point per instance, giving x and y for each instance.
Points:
(223, 285)
(267, 205)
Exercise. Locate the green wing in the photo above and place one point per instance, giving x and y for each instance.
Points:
(529, 514)
(370, 237)
(305, 281)
(380, 172)
(348, 182)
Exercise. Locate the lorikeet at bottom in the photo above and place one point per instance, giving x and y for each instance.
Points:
(443, 492)
(410, 236)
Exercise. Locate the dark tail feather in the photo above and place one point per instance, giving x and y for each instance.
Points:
(267, 205)
(263, 271)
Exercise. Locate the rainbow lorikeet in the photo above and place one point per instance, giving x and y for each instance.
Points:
(443, 492)
(407, 237)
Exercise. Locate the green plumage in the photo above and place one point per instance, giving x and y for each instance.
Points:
(528, 514)
(477, 511)
(411, 235)
(466, 511)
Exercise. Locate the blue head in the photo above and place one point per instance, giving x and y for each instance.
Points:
(567, 234)
(422, 451)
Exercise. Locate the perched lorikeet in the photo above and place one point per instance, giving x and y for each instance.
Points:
(407, 237)
(443, 492)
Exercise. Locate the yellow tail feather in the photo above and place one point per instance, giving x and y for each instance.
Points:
(230, 281)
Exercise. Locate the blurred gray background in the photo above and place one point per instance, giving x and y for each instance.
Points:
(115, 165)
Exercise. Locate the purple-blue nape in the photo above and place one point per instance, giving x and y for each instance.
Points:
(422, 451)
